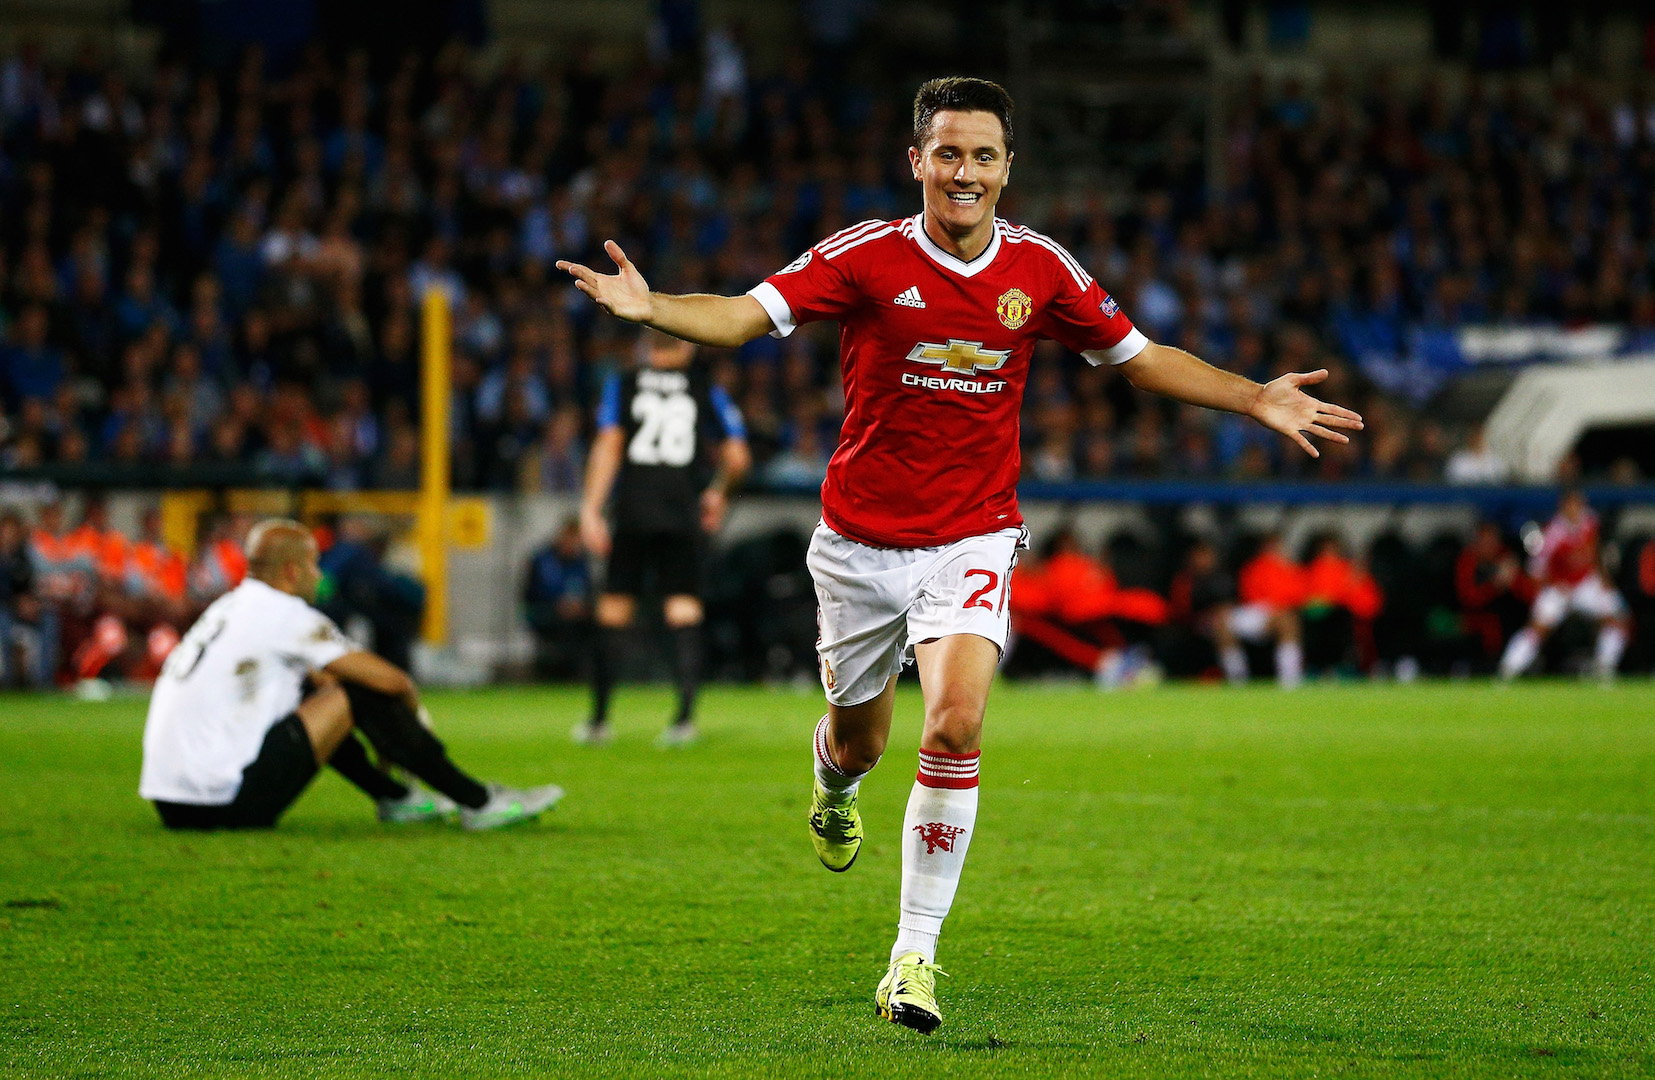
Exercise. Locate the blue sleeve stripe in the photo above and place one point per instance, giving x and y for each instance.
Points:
(609, 405)
(728, 415)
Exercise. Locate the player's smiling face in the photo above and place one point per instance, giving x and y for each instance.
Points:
(963, 166)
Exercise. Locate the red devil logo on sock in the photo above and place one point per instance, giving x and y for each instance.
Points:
(938, 835)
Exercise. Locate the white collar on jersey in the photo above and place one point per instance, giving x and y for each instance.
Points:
(954, 262)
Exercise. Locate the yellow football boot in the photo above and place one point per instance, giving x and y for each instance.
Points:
(835, 828)
(908, 994)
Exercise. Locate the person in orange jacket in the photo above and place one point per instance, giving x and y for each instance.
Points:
(142, 599)
(1271, 588)
(220, 564)
(1333, 579)
(99, 543)
(156, 582)
(1070, 603)
(66, 572)
(1334, 582)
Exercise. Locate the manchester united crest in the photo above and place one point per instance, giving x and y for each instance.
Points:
(1014, 308)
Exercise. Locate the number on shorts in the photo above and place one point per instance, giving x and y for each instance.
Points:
(976, 599)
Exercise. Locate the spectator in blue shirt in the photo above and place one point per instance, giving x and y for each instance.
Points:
(557, 599)
(31, 368)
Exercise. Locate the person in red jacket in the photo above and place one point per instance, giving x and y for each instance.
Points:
(1071, 603)
(1493, 591)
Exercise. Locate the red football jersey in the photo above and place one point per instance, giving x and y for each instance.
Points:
(934, 353)
(1568, 551)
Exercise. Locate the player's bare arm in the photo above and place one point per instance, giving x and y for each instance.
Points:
(719, 321)
(376, 673)
(734, 459)
(603, 465)
(1280, 405)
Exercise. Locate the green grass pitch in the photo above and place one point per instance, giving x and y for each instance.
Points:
(1431, 881)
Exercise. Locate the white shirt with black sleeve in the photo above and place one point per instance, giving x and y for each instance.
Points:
(237, 673)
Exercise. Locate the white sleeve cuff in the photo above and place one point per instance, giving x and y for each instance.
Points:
(770, 298)
(1119, 353)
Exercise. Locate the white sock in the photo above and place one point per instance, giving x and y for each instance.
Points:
(1611, 643)
(1233, 659)
(1520, 653)
(832, 778)
(1289, 664)
(936, 831)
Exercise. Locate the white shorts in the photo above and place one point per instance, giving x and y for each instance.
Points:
(1251, 622)
(1592, 597)
(873, 604)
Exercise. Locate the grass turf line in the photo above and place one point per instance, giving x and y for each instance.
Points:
(1432, 881)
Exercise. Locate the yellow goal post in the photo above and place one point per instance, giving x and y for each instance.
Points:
(428, 510)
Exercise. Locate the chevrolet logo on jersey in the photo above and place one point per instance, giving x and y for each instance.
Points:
(962, 357)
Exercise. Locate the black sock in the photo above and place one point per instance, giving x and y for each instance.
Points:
(397, 733)
(351, 762)
(686, 663)
(605, 656)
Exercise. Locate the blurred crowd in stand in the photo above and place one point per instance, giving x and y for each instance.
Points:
(1230, 604)
(1555, 599)
(226, 267)
(82, 602)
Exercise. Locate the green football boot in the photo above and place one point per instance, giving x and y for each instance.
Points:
(835, 828)
(908, 994)
(416, 806)
(508, 806)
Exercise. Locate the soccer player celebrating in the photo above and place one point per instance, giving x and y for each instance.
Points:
(655, 426)
(1571, 580)
(938, 316)
(232, 737)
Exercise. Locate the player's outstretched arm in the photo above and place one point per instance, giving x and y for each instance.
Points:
(719, 321)
(1280, 405)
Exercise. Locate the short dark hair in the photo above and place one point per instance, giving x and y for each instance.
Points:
(960, 94)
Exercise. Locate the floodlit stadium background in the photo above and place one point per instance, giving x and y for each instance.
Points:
(295, 257)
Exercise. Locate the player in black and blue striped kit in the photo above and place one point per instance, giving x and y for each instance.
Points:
(669, 449)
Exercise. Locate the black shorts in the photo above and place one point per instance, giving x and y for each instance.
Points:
(285, 764)
(671, 561)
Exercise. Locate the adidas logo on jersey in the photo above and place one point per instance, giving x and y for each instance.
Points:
(910, 297)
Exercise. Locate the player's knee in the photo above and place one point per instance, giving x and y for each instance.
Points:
(681, 611)
(329, 703)
(953, 725)
(858, 754)
(614, 610)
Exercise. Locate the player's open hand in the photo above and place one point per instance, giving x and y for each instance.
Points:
(1282, 406)
(624, 294)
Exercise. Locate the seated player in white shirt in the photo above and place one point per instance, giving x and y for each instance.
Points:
(233, 736)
